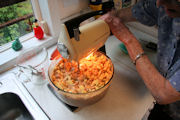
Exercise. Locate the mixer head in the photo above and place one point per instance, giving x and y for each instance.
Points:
(77, 42)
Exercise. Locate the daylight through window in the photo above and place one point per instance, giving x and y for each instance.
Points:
(15, 20)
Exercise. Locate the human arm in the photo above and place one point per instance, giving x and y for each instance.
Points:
(144, 12)
(124, 14)
(159, 86)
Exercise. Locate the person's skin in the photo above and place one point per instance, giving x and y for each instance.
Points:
(159, 86)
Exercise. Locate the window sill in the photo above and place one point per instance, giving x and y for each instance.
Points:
(22, 39)
(8, 57)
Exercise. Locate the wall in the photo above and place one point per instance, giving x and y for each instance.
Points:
(69, 7)
(54, 10)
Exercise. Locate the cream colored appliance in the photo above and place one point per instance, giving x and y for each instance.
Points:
(76, 42)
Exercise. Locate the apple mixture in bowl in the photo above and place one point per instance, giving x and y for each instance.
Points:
(86, 80)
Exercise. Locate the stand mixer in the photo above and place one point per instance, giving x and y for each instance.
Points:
(76, 42)
(81, 78)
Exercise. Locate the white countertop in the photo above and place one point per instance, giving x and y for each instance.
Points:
(126, 99)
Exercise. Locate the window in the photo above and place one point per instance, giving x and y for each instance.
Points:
(15, 19)
(48, 12)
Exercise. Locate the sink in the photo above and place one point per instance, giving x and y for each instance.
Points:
(16, 102)
(12, 108)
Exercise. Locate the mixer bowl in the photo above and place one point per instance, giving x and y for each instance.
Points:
(79, 99)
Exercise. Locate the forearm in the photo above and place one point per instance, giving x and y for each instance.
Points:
(160, 88)
(125, 15)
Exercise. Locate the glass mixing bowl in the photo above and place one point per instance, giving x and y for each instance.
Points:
(79, 99)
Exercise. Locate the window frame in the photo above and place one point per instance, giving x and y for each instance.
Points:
(8, 56)
(28, 36)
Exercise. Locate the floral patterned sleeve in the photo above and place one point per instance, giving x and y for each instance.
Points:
(146, 12)
(175, 80)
